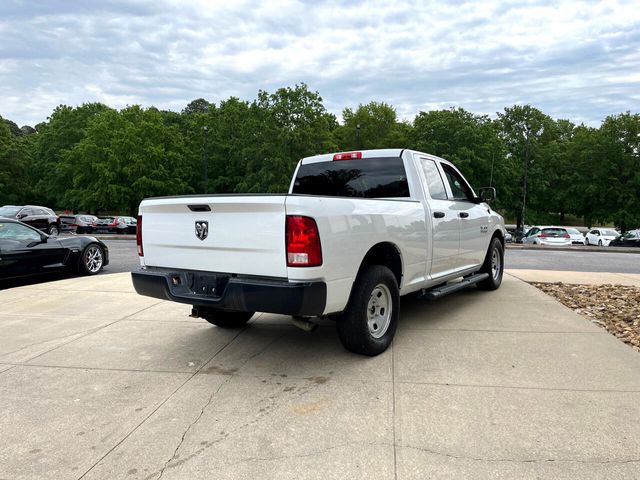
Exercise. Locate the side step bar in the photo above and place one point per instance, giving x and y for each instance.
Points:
(446, 289)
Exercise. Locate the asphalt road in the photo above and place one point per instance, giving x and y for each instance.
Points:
(579, 261)
(124, 258)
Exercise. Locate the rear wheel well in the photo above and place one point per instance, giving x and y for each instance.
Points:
(385, 254)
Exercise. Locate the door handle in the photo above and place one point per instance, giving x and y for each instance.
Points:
(438, 214)
(463, 214)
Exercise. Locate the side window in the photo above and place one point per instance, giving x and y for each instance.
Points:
(15, 231)
(26, 212)
(434, 180)
(459, 187)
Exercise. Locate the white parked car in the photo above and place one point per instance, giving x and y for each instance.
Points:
(577, 238)
(554, 236)
(600, 236)
(355, 232)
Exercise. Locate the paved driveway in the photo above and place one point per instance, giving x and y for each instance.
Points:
(99, 383)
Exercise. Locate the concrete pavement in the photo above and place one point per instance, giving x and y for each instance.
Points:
(97, 382)
(578, 278)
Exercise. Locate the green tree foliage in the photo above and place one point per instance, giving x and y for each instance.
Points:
(14, 158)
(526, 131)
(124, 157)
(370, 126)
(293, 124)
(199, 105)
(13, 127)
(473, 144)
(94, 158)
(63, 130)
(554, 172)
(607, 169)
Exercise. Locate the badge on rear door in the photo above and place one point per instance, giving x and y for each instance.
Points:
(202, 229)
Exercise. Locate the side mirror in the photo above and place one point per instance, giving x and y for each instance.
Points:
(487, 194)
(43, 238)
(21, 215)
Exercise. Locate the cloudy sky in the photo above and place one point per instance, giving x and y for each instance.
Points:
(572, 59)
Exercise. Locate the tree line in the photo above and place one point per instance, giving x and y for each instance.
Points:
(93, 158)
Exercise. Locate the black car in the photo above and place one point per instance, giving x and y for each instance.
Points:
(629, 239)
(121, 225)
(82, 223)
(42, 218)
(24, 250)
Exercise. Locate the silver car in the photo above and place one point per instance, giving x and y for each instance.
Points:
(576, 237)
(555, 236)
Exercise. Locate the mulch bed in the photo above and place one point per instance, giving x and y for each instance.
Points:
(616, 308)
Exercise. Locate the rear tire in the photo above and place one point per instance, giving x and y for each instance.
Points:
(493, 265)
(369, 322)
(92, 259)
(228, 319)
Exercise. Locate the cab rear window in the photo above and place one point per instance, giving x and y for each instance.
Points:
(383, 177)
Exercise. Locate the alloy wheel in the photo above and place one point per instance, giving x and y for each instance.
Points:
(93, 259)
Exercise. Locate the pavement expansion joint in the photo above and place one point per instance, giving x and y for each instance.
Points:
(63, 337)
(12, 366)
(98, 369)
(393, 412)
(188, 429)
(144, 420)
(519, 387)
(315, 453)
(484, 330)
(521, 460)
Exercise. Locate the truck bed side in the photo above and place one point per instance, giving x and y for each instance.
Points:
(349, 228)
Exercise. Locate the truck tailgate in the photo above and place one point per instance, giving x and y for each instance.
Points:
(245, 234)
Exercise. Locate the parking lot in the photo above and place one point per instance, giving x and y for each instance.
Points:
(124, 258)
(98, 382)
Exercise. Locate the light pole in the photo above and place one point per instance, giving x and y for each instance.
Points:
(358, 135)
(204, 159)
(525, 180)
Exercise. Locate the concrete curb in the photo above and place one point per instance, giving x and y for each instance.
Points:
(102, 236)
(573, 248)
(114, 237)
(575, 278)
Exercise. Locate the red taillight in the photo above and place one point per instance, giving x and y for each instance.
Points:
(566, 235)
(543, 235)
(139, 237)
(303, 242)
(347, 156)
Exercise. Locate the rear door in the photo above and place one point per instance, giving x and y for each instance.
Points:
(443, 218)
(26, 215)
(43, 217)
(243, 234)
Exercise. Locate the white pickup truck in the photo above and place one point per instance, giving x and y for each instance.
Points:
(356, 231)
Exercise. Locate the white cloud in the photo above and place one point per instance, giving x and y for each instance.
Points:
(576, 60)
